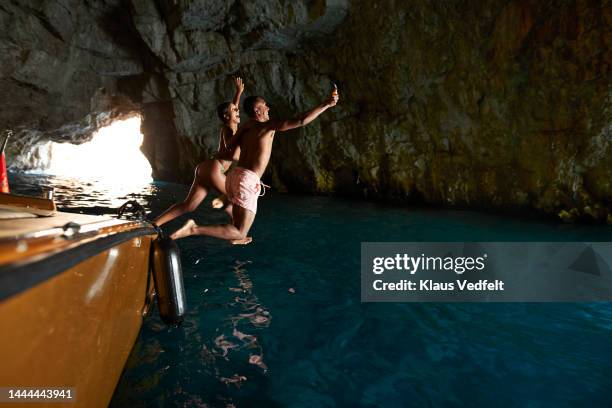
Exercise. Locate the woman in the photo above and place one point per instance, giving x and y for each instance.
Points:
(211, 173)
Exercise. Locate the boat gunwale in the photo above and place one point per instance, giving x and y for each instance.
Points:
(54, 232)
(21, 275)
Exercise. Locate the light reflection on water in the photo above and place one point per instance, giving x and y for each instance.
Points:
(87, 196)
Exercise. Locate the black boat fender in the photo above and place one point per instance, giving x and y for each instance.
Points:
(165, 263)
(168, 279)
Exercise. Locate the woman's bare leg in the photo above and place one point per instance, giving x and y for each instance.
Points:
(217, 180)
(229, 211)
(197, 193)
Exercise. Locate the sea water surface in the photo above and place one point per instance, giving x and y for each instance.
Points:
(279, 323)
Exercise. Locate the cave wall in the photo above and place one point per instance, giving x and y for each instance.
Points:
(60, 61)
(203, 44)
(56, 55)
(495, 104)
(491, 104)
(73, 66)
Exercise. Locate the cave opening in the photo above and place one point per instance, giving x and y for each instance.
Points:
(113, 156)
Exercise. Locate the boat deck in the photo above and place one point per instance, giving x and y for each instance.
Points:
(23, 223)
(32, 229)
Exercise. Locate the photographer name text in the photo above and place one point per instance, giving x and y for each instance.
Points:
(413, 264)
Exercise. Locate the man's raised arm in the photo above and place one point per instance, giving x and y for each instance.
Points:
(305, 118)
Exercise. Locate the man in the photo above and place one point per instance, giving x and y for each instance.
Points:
(243, 184)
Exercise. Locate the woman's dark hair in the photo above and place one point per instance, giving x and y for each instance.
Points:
(249, 105)
(222, 110)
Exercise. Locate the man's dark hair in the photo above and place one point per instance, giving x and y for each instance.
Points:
(222, 110)
(249, 105)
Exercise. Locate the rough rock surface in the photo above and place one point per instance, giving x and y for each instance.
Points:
(496, 104)
(60, 63)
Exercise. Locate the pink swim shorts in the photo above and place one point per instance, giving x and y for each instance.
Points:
(243, 187)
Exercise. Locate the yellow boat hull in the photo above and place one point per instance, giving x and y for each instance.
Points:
(72, 327)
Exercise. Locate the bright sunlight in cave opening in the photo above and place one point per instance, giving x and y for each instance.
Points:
(113, 156)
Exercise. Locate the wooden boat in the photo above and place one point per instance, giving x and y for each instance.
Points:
(74, 290)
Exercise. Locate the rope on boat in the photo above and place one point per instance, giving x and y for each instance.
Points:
(132, 211)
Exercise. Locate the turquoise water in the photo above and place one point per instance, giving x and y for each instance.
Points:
(279, 323)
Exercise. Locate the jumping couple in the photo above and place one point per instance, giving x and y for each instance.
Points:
(251, 146)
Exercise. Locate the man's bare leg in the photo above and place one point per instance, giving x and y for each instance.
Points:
(229, 210)
(235, 233)
(244, 241)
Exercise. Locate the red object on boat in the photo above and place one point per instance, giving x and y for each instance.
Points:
(4, 186)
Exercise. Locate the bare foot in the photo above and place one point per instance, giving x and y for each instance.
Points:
(185, 230)
(242, 241)
(218, 202)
